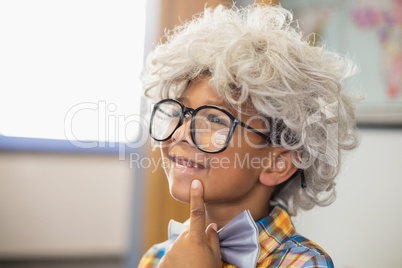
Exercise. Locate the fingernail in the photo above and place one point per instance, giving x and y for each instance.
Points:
(195, 184)
(215, 227)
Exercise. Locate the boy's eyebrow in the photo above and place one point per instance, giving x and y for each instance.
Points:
(217, 103)
(225, 105)
(220, 103)
(181, 99)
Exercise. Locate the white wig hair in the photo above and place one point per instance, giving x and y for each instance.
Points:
(258, 55)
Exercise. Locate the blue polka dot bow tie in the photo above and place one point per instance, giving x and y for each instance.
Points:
(238, 240)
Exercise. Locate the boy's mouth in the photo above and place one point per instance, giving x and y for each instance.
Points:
(182, 162)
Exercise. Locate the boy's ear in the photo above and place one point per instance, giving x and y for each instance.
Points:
(279, 169)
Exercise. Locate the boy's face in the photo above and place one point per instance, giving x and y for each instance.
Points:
(230, 176)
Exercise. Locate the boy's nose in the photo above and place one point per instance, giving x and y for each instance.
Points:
(182, 133)
(187, 114)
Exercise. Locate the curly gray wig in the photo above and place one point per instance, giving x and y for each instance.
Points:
(258, 55)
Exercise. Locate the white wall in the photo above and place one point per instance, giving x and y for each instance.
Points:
(64, 205)
(363, 227)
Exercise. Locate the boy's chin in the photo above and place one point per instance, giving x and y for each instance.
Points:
(180, 189)
(181, 196)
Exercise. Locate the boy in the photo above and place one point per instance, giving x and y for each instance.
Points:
(250, 120)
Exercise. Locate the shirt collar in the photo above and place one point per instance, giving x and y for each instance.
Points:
(274, 230)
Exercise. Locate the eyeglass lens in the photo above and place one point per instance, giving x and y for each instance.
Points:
(210, 126)
(166, 117)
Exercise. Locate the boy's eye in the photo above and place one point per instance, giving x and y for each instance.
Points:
(175, 113)
(217, 120)
(169, 112)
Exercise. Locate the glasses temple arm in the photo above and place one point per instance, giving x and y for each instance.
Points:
(255, 131)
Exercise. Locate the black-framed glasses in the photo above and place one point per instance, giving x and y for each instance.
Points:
(211, 127)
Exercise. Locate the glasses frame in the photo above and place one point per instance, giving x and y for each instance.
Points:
(185, 111)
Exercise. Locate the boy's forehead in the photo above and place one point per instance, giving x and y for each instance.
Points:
(245, 109)
(199, 92)
(191, 101)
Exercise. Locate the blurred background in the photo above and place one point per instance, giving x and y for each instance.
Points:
(79, 185)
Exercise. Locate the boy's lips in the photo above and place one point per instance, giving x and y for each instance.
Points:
(185, 162)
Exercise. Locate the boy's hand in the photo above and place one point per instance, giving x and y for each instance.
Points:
(197, 247)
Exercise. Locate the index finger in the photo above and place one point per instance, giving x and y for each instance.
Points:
(197, 210)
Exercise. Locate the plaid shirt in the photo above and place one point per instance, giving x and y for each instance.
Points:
(280, 245)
